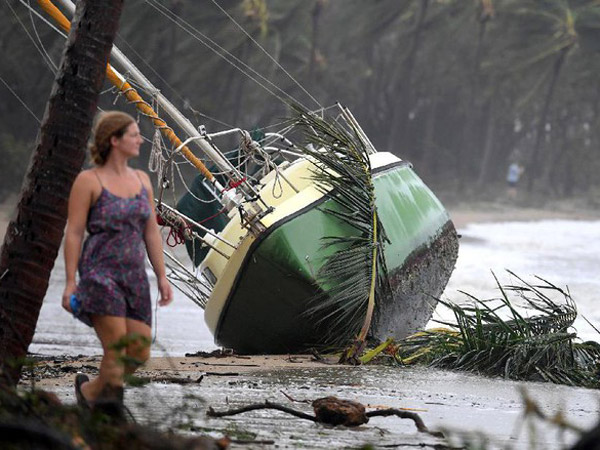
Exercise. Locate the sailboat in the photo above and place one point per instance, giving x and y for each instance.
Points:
(303, 238)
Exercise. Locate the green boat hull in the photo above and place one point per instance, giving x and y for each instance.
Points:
(266, 310)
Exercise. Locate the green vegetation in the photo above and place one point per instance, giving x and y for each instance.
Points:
(497, 338)
(354, 271)
(460, 88)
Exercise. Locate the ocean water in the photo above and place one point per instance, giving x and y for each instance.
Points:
(563, 252)
(566, 253)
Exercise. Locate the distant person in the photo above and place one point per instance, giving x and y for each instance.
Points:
(515, 170)
(115, 204)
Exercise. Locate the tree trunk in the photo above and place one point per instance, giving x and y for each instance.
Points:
(428, 149)
(402, 97)
(488, 146)
(532, 167)
(33, 238)
(474, 114)
(316, 16)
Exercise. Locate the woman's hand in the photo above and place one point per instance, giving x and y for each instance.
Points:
(165, 290)
(66, 297)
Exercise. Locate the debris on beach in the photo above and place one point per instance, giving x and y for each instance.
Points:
(332, 411)
(497, 337)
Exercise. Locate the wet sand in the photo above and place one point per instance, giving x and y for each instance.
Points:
(182, 389)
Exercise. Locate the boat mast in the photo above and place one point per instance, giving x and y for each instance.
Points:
(124, 63)
(204, 144)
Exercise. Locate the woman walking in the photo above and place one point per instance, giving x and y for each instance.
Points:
(115, 204)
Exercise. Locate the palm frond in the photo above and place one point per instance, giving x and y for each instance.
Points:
(503, 341)
(355, 274)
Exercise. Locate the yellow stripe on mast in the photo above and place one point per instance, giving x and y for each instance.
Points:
(132, 95)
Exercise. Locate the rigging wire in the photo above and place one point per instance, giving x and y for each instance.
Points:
(43, 19)
(155, 72)
(267, 53)
(49, 63)
(202, 38)
(20, 100)
(54, 67)
(37, 35)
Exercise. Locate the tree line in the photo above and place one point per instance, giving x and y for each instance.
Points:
(461, 88)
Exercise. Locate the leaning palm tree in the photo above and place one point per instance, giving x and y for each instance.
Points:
(33, 237)
(543, 37)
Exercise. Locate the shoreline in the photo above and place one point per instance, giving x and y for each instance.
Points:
(51, 371)
(485, 212)
(461, 214)
(444, 399)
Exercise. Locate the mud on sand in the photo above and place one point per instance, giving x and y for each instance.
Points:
(182, 389)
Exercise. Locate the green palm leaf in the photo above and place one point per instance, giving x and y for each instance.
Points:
(355, 274)
(501, 341)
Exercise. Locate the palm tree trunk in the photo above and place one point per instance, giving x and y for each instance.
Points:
(316, 16)
(533, 163)
(473, 122)
(402, 95)
(488, 146)
(33, 237)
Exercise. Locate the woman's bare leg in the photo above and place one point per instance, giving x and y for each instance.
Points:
(110, 330)
(138, 348)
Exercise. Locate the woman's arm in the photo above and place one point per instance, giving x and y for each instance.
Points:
(80, 201)
(154, 247)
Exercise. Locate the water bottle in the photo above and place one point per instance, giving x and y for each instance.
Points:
(75, 304)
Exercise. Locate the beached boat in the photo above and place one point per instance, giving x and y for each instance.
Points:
(302, 225)
(261, 295)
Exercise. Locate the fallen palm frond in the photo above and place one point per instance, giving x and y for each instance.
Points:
(354, 276)
(493, 337)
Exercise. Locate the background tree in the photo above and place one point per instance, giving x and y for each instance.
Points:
(458, 87)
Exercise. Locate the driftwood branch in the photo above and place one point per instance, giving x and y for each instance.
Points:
(292, 399)
(266, 405)
(333, 411)
(406, 415)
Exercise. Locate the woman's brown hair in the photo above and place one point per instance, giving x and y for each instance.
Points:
(108, 124)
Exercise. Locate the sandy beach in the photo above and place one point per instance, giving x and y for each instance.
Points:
(455, 401)
(181, 390)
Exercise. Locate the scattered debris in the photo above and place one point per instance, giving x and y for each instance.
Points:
(497, 338)
(332, 411)
(218, 353)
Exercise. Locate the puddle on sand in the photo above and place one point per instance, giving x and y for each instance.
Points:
(455, 401)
